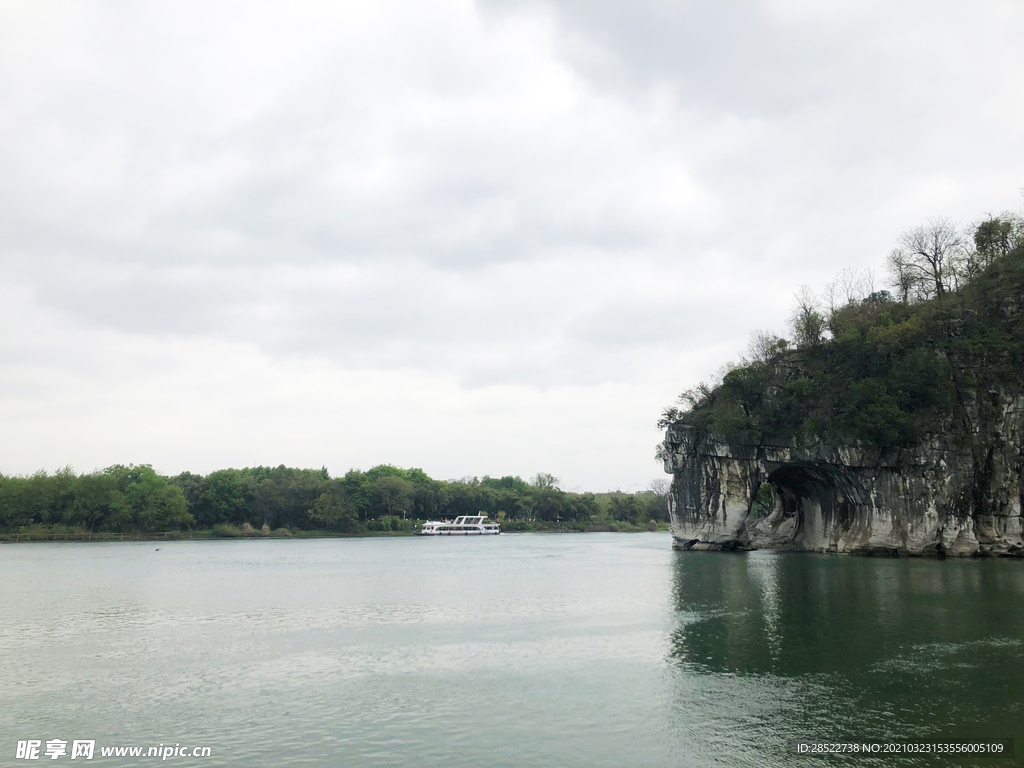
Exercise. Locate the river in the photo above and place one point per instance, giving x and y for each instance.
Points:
(514, 650)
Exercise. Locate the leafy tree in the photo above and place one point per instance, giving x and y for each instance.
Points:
(507, 483)
(152, 502)
(61, 492)
(545, 481)
(807, 321)
(359, 488)
(39, 499)
(295, 492)
(470, 498)
(550, 503)
(19, 503)
(512, 505)
(429, 499)
(192, 486)
(625, 508)
(582, 507)
(334, 511)
(222, 499)
(998, 236)
(393, 495)
(270, 503)
(386, 470)
(99, 504)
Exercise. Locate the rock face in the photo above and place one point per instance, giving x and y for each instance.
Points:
(947, 496)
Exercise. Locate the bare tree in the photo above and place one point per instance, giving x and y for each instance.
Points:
(868, 282)
(763, 346)
(660, 486)
(901, 277)
(926, 260)
(831, 295)
(851, 284)
(661, 509)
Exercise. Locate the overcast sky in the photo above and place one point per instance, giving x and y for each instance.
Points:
(477, 238)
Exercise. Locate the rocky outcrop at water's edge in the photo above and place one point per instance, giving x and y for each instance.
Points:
(946, 496)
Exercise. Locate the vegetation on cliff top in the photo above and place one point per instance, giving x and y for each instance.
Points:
(878, 366)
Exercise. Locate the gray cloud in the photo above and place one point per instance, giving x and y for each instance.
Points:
(736, 57)
(536, 218)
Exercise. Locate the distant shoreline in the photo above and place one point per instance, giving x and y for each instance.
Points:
(209, 535)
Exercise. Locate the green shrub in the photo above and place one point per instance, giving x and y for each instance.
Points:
(226, 531)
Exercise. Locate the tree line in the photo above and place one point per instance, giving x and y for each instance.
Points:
(138, 499)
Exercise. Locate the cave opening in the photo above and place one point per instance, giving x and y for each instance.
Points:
(802, 503)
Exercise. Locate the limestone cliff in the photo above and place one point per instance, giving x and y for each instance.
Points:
(891, 426)
(947, 495)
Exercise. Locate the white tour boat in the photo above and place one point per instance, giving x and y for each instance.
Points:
(466, 525)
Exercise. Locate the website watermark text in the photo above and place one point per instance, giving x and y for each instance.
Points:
(86, 749)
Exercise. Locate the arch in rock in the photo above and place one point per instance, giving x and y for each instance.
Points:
(815, 506)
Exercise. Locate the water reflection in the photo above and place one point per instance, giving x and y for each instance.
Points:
(858, 647)
(572, 651)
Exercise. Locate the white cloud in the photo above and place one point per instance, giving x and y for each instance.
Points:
(474, 238)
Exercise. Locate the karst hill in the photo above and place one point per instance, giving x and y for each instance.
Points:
(891, 422)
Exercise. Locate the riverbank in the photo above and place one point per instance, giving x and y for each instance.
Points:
(60, 533)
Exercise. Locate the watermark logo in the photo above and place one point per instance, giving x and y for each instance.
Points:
(34, 749)
(29, 750)
(82, 749)
(56, 748)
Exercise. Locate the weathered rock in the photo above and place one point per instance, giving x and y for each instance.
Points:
(954, 495)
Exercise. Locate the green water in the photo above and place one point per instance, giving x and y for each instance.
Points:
(515, 650)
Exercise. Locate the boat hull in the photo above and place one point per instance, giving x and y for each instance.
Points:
(463, 525)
